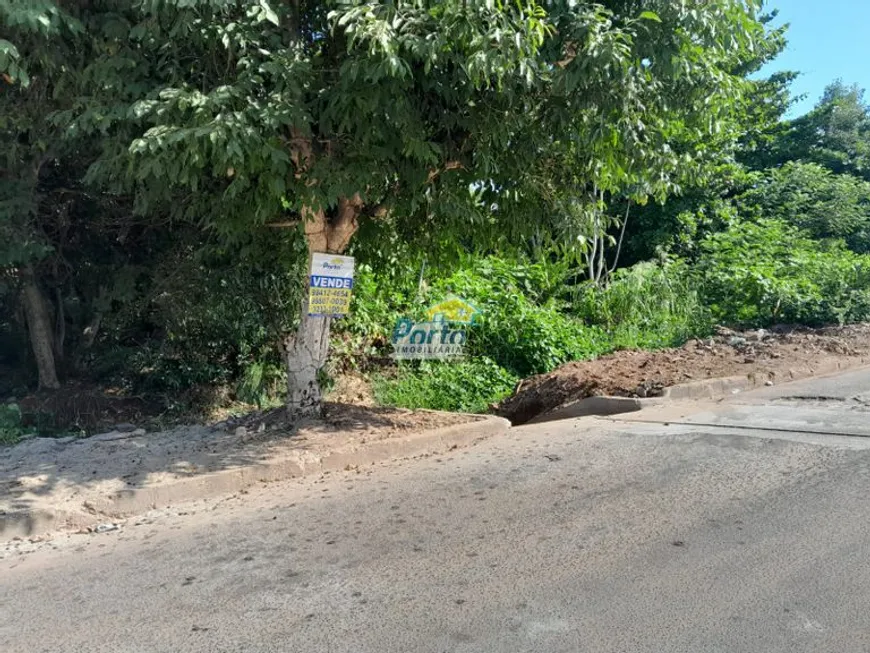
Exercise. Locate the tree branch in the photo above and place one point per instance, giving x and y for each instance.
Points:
(621, 236)
(450, 165)
(345, 224)
(283, 224)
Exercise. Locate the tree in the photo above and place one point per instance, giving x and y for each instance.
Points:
(453, 121)
(811, 197)
(70, 255)
(835, 134)
(720, 170)
(29, 73)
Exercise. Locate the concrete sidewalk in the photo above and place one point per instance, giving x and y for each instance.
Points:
(53, 484)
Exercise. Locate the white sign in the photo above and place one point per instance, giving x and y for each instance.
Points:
(330, 283)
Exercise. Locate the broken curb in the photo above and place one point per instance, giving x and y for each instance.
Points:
(705, 389)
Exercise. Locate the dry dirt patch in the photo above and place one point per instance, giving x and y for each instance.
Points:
(779, 354)
(74, 477)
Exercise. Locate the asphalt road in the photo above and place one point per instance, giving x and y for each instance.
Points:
(701, 530)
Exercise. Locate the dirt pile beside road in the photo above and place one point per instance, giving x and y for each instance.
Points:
(778, 355)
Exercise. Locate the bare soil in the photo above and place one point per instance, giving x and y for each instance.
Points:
(377, 422)
(84, 406)
(47, 483)
(780, 354)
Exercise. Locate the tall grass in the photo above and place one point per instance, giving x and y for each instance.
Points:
(646, 306)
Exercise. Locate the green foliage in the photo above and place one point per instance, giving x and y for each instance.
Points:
(522, 325)
(679, 225)
(145, 145)
(835, 134)
(468, 386)
(528, 325)
(825, 204)
(647, 306)
(761, 273)
(262, 383)
(379, 299)
(11, 428)
(198, 315)
(223, 312)
(454, 121)
(272, 108)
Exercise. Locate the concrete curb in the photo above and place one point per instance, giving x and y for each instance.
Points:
(732, 385)
(597, 406)
(705, 389)
(296, 464)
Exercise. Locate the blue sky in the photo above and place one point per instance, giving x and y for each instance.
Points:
(827, 39)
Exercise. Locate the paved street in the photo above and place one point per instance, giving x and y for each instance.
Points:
(740, 526)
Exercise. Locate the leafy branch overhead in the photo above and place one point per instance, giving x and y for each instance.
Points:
(272, 107)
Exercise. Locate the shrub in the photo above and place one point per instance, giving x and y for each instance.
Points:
(825, 204)
(523, 326)
(648, 305)
(262, 383)
(466, 386)
(378, 301)
(11, 427)
(759, 273)
(221, 314)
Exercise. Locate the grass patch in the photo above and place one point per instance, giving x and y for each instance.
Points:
(469, 386)
(11, 428)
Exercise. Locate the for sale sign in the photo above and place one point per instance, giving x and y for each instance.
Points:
(330, 283)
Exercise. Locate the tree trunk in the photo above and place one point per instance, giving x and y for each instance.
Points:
(306, 349)
(60, 328)
(41, 333)
(306, 352)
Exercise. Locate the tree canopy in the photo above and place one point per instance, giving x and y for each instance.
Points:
(422, 108)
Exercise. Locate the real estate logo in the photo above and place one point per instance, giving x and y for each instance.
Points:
(441, 337)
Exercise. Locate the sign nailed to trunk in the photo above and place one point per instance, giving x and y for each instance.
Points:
(330, 283)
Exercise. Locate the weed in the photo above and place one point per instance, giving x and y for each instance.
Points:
(467, 386)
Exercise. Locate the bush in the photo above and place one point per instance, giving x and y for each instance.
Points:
(646, 306)
(467, 386)
(523, 326)
(760, 273)
(11, 427)
(812, 198)
(218, 315)
(378, 301)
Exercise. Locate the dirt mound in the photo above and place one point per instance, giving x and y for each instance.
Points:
(780, 353)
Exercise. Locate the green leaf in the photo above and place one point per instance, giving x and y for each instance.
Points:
(269, 13)
(8, 48)
(650, 15)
